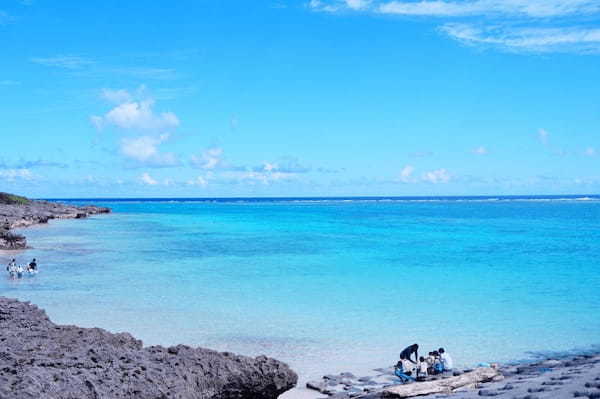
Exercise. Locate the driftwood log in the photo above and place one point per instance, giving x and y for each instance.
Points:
(444, 386)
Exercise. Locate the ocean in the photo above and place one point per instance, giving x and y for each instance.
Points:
(329, 284)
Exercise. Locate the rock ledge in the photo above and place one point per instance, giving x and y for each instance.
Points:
(39, 359)
(18, 212)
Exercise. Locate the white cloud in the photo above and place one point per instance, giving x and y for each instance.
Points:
(358, 4)
(339, 5)
(147, 179)
(198, 181)
(590, 152)
(144, 72)
(11, 175)
(518, 8)
(285, 165)
(118, 96)
(5, 18)
(436, 176)
(211, 158)
(318, 5)
(63, 61)
(9, 83)
(481, 150)
(463, 8)
(97, 121)
(527, 39)
(531, 26)
(406, 174)
(144, 150)
(136, 115)
(543, 136)
(266, 174)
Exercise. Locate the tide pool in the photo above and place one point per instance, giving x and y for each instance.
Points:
(329, 285)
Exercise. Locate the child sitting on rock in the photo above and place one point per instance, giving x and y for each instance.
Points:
(422, 369)
(430, 359)
(404, 371)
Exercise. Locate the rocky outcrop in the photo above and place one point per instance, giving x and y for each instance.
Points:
(17, 212)
(39, 359)
(10, 240)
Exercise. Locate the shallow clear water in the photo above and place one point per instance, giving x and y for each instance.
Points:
(329, 286)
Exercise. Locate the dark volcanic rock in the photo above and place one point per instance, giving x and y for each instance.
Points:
(18, 212)
(9, 240)
(39, 359)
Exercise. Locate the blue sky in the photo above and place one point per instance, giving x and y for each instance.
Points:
(299, 98)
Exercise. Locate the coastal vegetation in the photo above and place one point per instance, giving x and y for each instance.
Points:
(12, 199)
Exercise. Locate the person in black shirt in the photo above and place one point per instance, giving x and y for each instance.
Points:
(408, 351)
(32, 266)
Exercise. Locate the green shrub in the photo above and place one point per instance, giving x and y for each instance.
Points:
(11, 199)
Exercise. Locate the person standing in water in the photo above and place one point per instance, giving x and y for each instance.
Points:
(32, 266)
(12, 266)
(408, 351)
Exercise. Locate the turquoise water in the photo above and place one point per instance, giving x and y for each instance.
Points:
(329, 286)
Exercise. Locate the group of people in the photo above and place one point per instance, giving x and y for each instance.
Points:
(17, 271)
(436, 362)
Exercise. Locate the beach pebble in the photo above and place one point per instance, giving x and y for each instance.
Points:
(551, 363)
(339, 395)
(317, 385)
(488, 392)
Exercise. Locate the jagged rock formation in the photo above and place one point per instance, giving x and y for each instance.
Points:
(16, 212)
(39, 359)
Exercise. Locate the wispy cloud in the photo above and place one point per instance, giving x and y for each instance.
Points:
(71, 62)
(513, 8)
(11, 175)
(527, 39)
(117, 96)
(40, 163)
(543, 136)
(9, 83)
(85, 67)
(5, 18)
(142, 72)
(210, 159)
(437, 176)
(528, 26)
(406, 174)
(144, 152)
(481, 150)
(148, 180)
(339, 5)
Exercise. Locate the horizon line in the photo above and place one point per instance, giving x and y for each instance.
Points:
(328, 197)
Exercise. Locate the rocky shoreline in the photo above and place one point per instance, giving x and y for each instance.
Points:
(19, 212)
(575, 376)
(40, 359)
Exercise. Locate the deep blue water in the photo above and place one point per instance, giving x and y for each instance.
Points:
(330, 284)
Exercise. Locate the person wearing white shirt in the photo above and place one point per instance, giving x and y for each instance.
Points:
(446, 360)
